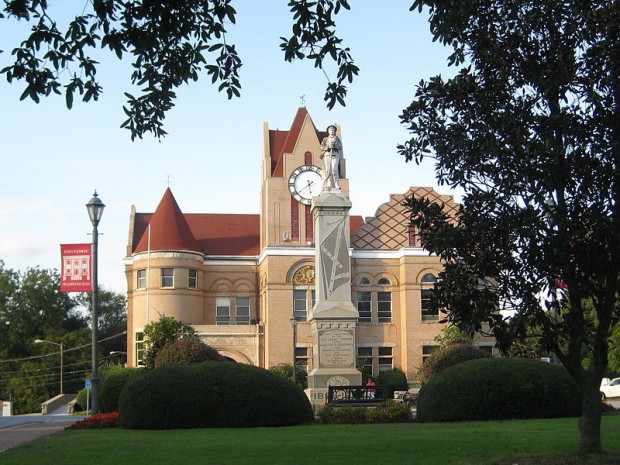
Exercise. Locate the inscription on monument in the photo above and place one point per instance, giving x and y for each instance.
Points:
(337, 349)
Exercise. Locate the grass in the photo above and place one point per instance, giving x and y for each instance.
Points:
(528, 442)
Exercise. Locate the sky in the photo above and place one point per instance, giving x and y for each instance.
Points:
(53, 159)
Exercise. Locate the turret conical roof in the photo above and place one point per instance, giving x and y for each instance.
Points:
(168, 229)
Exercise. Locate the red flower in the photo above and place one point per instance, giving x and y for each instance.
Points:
(101, 420)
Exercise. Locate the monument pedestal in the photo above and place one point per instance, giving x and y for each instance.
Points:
(334, 316)
(334, 358)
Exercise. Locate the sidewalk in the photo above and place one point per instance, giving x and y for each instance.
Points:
(19, 429)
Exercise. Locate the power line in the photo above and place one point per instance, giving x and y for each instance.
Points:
(54, 377)
(34, 357)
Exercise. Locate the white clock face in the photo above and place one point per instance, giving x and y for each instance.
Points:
(305, 182)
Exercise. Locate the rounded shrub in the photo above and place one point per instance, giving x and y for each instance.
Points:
(395, 379)
(448, 356)
(113, 379)
(498, 389)
(204, 395)
(185, 351)
(390, 411)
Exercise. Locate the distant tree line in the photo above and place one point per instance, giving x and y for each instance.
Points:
(33, 308)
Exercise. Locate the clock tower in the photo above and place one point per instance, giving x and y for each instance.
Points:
(291, 175)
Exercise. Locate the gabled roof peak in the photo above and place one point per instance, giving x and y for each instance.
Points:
(284, 141)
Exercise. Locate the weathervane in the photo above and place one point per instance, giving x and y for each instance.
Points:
(302, 100)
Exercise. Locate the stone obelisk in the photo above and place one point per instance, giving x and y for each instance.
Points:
(334, 317)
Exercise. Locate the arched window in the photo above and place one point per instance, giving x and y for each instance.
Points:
(384, 282)
(428, 312)
(363, 282)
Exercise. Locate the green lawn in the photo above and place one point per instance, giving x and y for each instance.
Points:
(505, 442)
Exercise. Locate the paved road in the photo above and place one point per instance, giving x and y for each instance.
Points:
(19, 429)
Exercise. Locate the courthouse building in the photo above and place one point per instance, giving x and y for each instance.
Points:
(245, 282)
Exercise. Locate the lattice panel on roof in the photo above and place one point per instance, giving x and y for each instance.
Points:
(389, 228)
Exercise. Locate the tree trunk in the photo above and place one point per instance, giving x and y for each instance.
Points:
(590, 421)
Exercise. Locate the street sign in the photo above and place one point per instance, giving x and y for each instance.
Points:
(88, 384)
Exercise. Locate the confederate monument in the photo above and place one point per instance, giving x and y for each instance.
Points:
(334, 316)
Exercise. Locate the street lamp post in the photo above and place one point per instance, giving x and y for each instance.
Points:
(95, 210)
(59, 344)
(294, 325)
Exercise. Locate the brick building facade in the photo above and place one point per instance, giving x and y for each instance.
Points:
(242, 280)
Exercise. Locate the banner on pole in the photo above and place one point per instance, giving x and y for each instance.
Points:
(76, 268)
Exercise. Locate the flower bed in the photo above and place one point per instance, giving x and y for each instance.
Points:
(101, 420)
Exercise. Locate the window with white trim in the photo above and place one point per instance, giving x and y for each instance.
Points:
(385, 358)
(301, 358)
(300, 304)
(193, 279)
(364, 306)
(488, 348)
(242, 310)
(384, 307)
(364, 360)
(427, 350)
(303, 299)
(141, 281)
(374, 360)
(222, 311)
(139, 348)
(428, 312)
(167, 277)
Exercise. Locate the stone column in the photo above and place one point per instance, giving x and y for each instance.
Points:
(334, 316)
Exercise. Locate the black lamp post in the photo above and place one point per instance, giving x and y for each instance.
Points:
(95, 210)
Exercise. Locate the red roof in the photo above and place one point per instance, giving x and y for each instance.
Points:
(213, 234)
(226, 234)
(281, 142)
(206, 233)
(168, 228)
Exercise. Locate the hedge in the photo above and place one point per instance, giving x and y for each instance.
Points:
(498, 389)
(203, 395)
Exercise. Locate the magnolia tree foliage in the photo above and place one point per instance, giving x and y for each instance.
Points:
(171, 43)
(529, 130)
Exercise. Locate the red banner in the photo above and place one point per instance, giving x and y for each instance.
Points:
(75, 275)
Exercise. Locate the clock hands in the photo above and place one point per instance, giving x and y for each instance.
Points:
(309, 186)
(305, 182)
